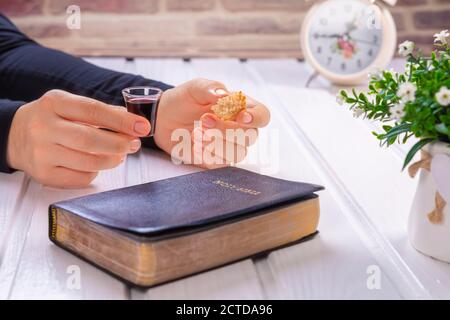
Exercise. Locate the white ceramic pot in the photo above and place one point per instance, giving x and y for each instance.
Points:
(427, 236)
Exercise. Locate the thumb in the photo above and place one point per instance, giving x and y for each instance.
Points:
(205, 92)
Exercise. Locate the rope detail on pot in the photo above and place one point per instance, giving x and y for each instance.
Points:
(437, 215)
(423, 163)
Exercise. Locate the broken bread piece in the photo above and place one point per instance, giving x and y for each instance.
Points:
(227, 108)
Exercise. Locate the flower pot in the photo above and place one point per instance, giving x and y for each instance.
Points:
(429, 220)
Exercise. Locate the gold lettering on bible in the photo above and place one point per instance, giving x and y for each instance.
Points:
(236, 188)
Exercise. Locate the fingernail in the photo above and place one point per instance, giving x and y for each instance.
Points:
(219, 92)
(135, 145)
(141, 128)
(250, 103)
(209, 122)
(247, 117)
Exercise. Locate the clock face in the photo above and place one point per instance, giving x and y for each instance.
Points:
(345, 36)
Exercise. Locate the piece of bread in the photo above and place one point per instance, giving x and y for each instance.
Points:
(228, 107)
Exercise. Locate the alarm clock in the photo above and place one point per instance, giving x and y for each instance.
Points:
(344, 40)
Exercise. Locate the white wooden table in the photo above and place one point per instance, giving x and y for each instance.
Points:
(310, 138)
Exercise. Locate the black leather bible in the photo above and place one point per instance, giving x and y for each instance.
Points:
(164, 230)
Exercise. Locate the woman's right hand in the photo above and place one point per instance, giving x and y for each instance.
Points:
(58, 141)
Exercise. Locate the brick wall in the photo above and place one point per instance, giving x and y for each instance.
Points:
(238, 28)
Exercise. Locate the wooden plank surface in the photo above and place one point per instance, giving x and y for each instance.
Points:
(13, 218)
(295, 162)
(36, 269)
(240, 280)
(287, 273)
(372, 175)
(310, 138)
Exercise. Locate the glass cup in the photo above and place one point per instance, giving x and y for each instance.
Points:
(143, 101)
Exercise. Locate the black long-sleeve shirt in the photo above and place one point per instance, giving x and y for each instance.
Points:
(28, 70)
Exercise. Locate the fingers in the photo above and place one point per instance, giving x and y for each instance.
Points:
(89, 139)
(68, 178)
(227, 154)
(218, 148)
(199, 160)
(68, 168)
(205, 92)
(256, 115)
(83, 162)
(61, 144)
(205, 153)
(230, 130)
(212, 151)
(96, 113)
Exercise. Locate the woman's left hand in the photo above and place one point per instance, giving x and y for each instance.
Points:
(214, 143)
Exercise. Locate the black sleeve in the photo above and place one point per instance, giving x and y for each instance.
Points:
(7, 110)
(28, 70)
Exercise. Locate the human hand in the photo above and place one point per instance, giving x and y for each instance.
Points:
(181, 106)
(57, 139)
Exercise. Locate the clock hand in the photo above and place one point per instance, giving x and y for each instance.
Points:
(329, 35)
(338, 36)
(351, 26)
(363, 41)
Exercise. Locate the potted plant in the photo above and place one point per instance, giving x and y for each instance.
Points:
(416, 103)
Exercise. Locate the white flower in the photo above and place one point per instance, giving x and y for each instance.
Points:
(442, 36)
(406, 48)
(443, 96)
(398, 111)
(376, 74)
(357, 112)
(407, 91)
(339, 99)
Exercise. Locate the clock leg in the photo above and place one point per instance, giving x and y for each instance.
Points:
(311, 78)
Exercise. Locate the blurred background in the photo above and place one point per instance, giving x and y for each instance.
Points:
(196, 28)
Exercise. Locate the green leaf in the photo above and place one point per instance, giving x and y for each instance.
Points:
(391, 140)
(405, 138)
(395, 131)
(419, 145)
(424, 117)
(362, 97)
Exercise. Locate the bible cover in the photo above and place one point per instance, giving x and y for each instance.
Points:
(180, 206)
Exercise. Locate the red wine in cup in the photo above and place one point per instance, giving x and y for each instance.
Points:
(145, 107)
